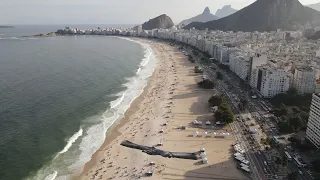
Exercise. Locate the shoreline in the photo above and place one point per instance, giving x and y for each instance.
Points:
(113, 131)
(171, 96)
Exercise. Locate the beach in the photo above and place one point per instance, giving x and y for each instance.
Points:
(171, 97)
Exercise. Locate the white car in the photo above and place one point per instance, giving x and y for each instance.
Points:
(300, 172)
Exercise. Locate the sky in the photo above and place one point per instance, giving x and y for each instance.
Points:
(107, 11)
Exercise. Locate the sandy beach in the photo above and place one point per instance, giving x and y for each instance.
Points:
(172, 97)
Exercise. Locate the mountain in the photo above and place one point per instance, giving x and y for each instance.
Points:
(315, 6)
(163, 21)
(315, 36)
(225, 11)
(264, 15)
(204, 17)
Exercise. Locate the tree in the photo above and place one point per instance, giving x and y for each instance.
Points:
(293, 175)
(215, 100)
(316, 165)
(293, 139)
(278, 161)
(295, 109)
(243, 104)
(219, 75)
(296, 123)
(224, 113)
(284, 127)
(206, 84)
(284, 161)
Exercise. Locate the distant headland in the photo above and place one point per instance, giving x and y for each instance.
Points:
(6, 26)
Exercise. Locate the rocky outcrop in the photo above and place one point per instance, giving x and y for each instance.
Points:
(204, 17)
(52, 34)
(265, 15)
(163, 21)
(315, 6)
(225, 11)
(6, 26)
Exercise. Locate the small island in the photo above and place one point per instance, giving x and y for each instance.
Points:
(6, 26)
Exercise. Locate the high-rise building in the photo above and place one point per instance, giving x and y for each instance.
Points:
(304, 80)
(270, 81)
(313, 130)
(139, 29)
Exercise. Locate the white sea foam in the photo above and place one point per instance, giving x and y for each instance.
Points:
(51, 176)
(71, 140)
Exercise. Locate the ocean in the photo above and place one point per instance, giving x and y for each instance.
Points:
(59, 96)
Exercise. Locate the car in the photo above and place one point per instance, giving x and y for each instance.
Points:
(265, 163)
(264, 170)
(300, 172)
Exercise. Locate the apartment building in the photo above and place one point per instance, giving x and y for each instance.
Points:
(271, 81)
(304, 79)
(240, 65)
(313, 130)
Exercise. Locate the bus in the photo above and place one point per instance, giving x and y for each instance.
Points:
(244, 165)
(239, 158)
(288, 156)
(244, 169)
(299, 162)
(238, 154)
(275, 139)
(244, 161)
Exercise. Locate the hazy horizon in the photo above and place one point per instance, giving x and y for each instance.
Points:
(77, 12)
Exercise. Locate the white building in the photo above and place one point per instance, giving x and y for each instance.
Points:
(256, 61)
(313, 131)
(240, 65)
(271, 81)
(318, 53)
(304, 80)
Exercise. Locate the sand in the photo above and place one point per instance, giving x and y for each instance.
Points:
(172, 97)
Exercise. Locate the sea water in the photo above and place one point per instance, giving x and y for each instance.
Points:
(60, 95)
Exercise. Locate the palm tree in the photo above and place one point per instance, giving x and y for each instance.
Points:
(278, 161)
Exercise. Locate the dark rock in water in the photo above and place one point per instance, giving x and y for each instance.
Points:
(264, 15)
(225, 11)
(163, 21)
(6, 27)
(52, 34)
(204, 17)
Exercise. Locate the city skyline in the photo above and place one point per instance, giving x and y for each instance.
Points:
(15, 12)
